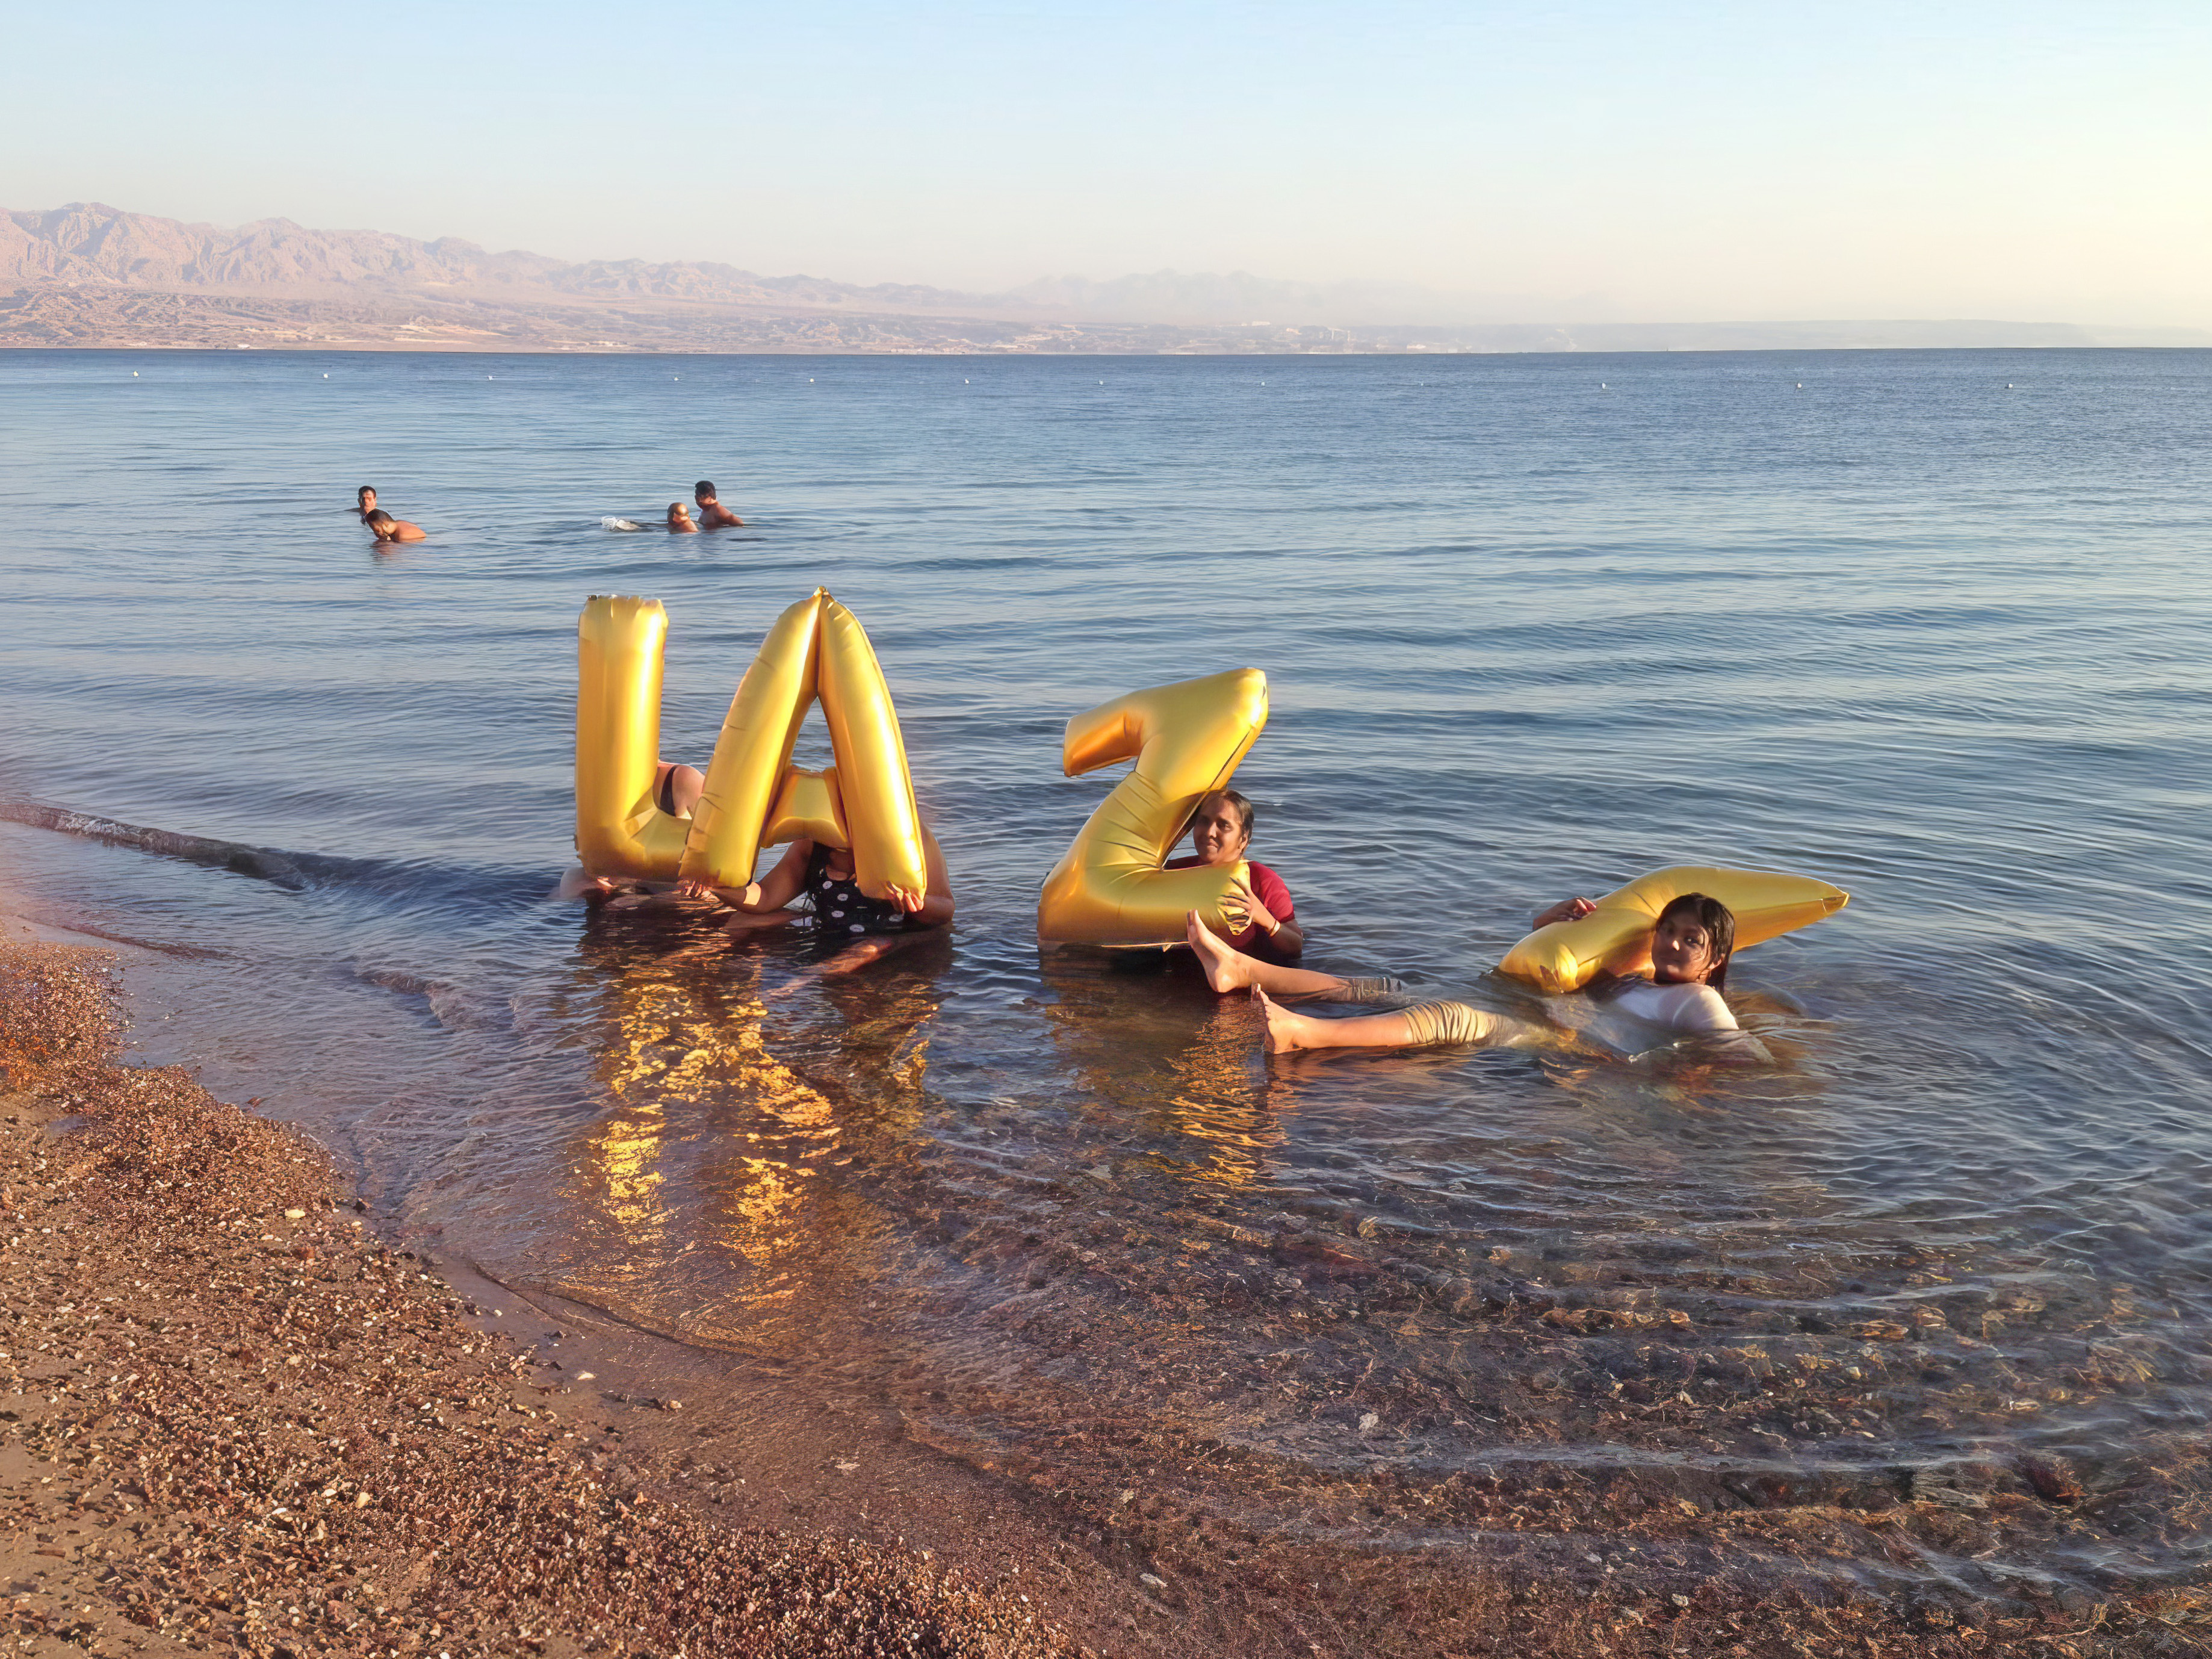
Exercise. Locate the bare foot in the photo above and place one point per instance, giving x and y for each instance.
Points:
(1285, 1031)
(1224, 968)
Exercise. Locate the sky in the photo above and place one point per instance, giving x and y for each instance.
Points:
(1588, 162)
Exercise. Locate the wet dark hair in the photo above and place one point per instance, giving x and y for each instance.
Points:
(1719, 923)
(380, 518)
(366, 489)
(705, 486)
(1241, 802)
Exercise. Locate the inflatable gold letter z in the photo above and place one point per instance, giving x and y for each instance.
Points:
(754, 796)
(1187, 739)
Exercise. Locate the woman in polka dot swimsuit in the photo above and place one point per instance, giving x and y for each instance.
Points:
(842, 912)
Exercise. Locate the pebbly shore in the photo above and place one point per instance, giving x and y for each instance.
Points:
(233, 1419)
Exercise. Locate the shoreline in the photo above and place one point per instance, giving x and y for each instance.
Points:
(200, 1449)
(237, 1420)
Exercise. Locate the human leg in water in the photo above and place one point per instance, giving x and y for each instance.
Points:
(1429, 1024)
(1227, 969)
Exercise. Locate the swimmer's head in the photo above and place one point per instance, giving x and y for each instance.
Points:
(365, 497)
(1221, 829)
(1693, 942)
(703, 492)
(379, 521)
(678, 514)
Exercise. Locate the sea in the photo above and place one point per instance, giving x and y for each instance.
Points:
(1930, 625)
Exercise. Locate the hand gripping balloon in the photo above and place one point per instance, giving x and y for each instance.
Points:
(1187, 739)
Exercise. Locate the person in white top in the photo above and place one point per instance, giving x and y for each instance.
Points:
(1690, 945)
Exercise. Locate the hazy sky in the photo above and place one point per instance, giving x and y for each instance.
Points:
(1596, 161)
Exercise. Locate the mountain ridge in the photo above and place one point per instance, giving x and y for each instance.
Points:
(90, 275)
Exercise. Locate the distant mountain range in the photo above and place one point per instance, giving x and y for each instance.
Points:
(88, 275)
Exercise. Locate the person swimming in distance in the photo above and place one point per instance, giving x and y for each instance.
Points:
(389, 528)
(679, 520)
(364, 502)
(713, 516)
(1691, 943)
(1266, 920)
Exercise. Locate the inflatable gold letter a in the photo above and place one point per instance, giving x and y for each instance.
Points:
(1187, 738)
(754, 797)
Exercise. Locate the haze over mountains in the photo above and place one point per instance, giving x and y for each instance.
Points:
(88, 275)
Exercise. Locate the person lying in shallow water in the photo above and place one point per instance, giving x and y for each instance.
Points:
(841, 914)
(1691, 944)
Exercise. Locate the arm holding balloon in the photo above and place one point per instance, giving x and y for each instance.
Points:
(1269, 933)
(933, 907)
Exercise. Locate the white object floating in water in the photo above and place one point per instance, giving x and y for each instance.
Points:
(620, 524)
(1601, 386)
(327, 374)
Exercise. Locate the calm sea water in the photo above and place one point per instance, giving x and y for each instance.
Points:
(1930, 625)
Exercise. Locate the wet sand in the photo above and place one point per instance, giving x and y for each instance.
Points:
(235, 1419)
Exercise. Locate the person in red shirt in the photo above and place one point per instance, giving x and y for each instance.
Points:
(1220, 833)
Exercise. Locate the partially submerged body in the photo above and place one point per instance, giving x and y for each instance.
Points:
(386, 528)
(1258, 907)
(821, 877)
(713, 516)
(839, 912)
(1690, 949)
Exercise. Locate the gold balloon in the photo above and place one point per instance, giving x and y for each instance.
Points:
(1616, 936)
(873, 789)
(1187, 739)
(619, 829)
(752, 754)
(753, 796)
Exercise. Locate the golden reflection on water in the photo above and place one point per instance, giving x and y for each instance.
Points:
(1142, 1036)
(739, 1095)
